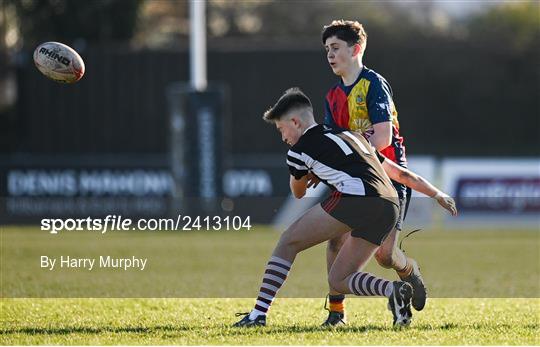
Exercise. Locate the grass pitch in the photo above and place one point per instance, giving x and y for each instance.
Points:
(494, 274)
(291, 322)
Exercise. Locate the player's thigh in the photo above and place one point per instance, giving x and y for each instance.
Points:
(390, 242)
(314, 227)
(353, 256)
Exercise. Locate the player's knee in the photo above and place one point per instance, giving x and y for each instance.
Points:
(384, 257)
(334, 245)
(289, 242)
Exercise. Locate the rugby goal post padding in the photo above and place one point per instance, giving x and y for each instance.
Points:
(196, 146)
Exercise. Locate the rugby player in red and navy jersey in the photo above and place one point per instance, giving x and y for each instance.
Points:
(362, 101)
(363, 203)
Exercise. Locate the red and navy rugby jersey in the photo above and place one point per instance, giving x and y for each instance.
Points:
(366, 102)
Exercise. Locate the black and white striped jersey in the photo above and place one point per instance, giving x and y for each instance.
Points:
(342, 159)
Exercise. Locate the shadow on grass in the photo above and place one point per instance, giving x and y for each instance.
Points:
(341, 329)
(248, 331)
(92, 330)
(176, 328)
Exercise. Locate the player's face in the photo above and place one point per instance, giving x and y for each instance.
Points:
(339, 54)
(290, 130)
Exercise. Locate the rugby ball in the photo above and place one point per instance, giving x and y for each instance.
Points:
(59, 62)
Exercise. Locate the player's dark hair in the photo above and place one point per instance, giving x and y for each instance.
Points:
(349, 31)
(293, 98)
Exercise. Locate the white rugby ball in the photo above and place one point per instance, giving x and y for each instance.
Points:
(59, 62)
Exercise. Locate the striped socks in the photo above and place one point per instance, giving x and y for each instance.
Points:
(276, 273)
(365, 284)
(277, 269)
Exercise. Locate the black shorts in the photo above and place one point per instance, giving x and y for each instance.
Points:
(370, 218)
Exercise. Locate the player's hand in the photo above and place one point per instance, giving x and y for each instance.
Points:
(447, 203)
(313, 181)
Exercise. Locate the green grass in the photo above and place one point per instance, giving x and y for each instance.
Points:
(484, 289)
(455, 264)
(292, 321)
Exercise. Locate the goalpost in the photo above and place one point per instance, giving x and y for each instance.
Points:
(196, 122)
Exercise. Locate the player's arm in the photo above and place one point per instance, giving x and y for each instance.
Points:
(299, 173)
(418, 183)
(382, 135)
(380, 108)
(298, 186)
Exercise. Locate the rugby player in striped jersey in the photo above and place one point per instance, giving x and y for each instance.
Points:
(363, 202)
